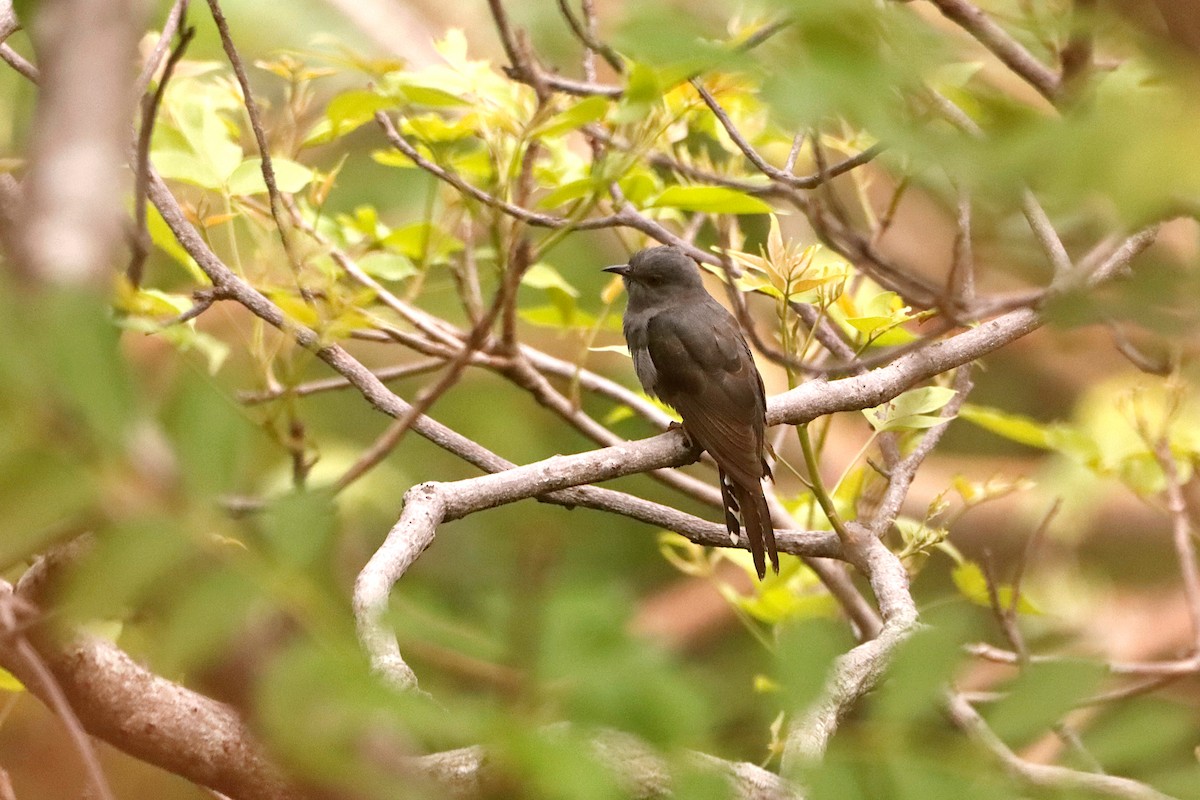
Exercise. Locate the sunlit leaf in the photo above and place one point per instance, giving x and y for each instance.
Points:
(972, 584)
(911, 410)
(387, 266)
(712, 199)
(9, 682)
(544, 276)
(585, 111)
(248, 179)
(423, 242)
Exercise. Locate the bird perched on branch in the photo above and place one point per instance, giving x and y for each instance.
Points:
(689, 352)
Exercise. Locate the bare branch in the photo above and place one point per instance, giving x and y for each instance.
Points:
(783, 176)
(20, 64)
(586, 33)
(1181, 536)
(1044, 231)
(333, 384)
(171, 24)
(143, 714)
(559, 480)
(71, 215)
(1044, 776)
(859, 670)
(962, 266)
(39, 679)
(971, 19)
(902, 474)
(260, 135)
(150, 106)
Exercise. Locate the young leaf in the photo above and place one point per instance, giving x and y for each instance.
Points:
(911, 410)
(972, 584)
(713, 199)
(578, 115)
(387, 266)
(289, 176)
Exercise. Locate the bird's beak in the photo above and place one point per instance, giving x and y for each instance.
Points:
(618, 269)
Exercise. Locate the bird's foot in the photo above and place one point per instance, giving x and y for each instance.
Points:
(687, 440)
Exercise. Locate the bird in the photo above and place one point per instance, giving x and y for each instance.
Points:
(689, 352)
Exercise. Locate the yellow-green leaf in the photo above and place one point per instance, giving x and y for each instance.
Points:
(248, 179)
(712, 199)
(972, 584)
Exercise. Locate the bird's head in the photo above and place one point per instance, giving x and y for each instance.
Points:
(657, 272)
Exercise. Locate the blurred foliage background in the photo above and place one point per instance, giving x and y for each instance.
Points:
(225, 550)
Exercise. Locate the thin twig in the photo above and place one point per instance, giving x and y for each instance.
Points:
(150, 107)
(1014, 55)
(783, 176)
(1076, 58)
(1044, 776)
(1005, 613)
(902, 474)
(260, 136)
(49, 688)
(1181, 536)
(1172, 667)
(962, 266)
(532, 217)
(1161, 365)
(171, 24)
(586, 33)
(333, 384)
(1026, 557)
(20, 64)
(1044, 231)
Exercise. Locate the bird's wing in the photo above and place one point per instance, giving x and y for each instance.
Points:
(704, 369)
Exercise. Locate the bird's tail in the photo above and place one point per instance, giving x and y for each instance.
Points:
(756, 520)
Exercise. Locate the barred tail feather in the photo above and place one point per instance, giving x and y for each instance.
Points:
(756, 519)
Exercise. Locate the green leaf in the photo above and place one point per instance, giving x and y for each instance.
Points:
(209, 437)
(393, 158)
(711, 199)
(289, 176)
(419, 90)
(128, 562)
(300, 527)
(585, 111)
(910, 411)
(201, 148)
(643, 89)
(572, 190)
(551, 315)
(918, 536)
(352, 109)
(423, 242)
(544, 276)
(1015, 427)
(387, 266)
(182, 165)
(40, 492)
(972, 584)
(1040, 696)
(618, 414)
(193, 634)
(165, 240)
(639, 185)
(81, 345)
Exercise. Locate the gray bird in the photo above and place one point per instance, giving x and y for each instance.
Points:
(689, 352)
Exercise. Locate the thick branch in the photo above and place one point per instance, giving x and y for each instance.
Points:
(71, 215)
